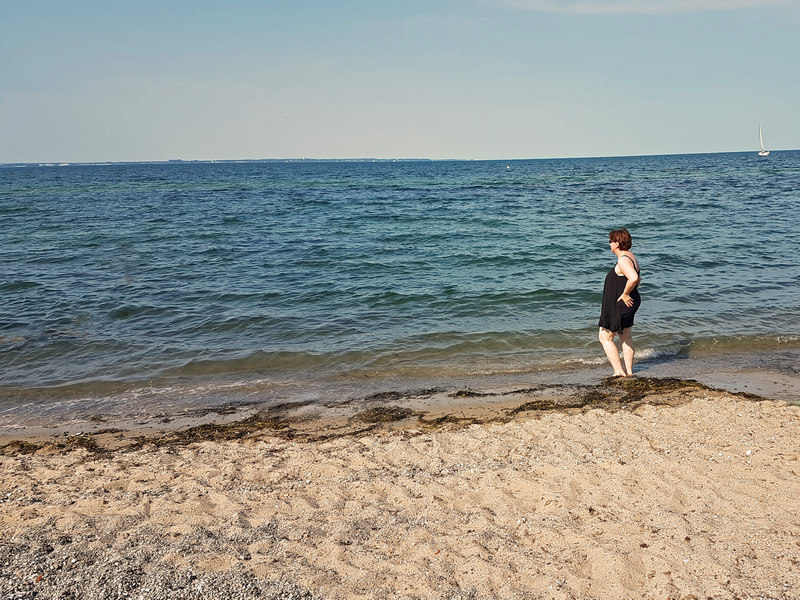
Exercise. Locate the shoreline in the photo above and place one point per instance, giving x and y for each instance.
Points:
(641, 488)
(156, 412)
(414, 410)
(331, 411)
(484, 397)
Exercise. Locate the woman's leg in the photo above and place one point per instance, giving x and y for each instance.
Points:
(612, 352)
(627, 349)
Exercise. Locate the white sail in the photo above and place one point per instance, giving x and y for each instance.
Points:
(762, 151)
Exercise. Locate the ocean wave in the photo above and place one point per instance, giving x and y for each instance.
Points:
(267, 362)
(741, 343)
(18, 286)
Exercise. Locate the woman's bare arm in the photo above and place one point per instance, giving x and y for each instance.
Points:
(627, 268)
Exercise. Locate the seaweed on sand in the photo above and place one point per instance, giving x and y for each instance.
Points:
(542, 404)
(385, 414)
(67, 444)
(637, 388)
(273, 419)
(617, 392)
(469, 394)
(448, 419)
(611, 394)
(19, 447)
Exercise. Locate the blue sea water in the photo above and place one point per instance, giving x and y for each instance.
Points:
(212, 281)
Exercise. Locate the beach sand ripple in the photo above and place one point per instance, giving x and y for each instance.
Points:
(697, 499)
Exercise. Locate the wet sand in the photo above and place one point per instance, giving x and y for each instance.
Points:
(647, 488)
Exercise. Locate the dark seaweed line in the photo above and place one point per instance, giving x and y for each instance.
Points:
(612, 394)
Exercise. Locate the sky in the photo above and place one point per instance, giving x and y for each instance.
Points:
(91, 81)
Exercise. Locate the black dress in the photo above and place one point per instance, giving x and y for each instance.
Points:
(614, 315)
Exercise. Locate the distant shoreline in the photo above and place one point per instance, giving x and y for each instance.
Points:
(227, 161)
(179, 161)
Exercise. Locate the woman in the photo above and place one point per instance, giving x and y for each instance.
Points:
(620, 302)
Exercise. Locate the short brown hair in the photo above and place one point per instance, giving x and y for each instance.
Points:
(622, 237)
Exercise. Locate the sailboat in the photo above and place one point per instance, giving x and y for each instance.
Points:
(761, 150)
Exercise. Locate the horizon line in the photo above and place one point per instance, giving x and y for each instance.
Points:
(353, 159)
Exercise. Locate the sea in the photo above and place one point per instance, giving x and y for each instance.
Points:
(151, 288)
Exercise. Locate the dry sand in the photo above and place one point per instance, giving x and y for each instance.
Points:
(696, 497)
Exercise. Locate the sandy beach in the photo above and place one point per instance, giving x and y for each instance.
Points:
(660, 491)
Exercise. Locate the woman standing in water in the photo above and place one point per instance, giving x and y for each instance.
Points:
(620, 303)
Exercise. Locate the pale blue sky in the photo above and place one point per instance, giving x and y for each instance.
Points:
(472, 79)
